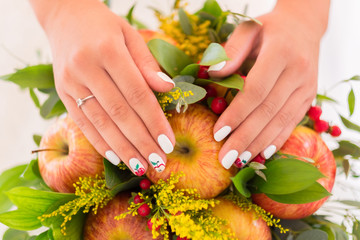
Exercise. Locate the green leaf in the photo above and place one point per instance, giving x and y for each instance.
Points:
(286, 176)
(32, 171)
(43, 236)
(37, 139)
(314, 234)
(185, 22)
(21, 220)
(241, 179)
(131, 183)
(9, 179)
(350, 203)
(36, 201)
(356, 77)
(74, 228)
(356, 229)
(311, 194)
(39, 76)
(185, 78)
(213, 8)
(198, 93)
(13, 234)
(34, 97)
(351, 101)
(170, 58)
(214, 54)
(322, 98)
(191, 70)
(347, 148)
(234, 81)
(350, 124)
(52, 106)
(129, 15)
(346, 166)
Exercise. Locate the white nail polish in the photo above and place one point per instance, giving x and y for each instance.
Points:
(165, 144)
(229, 158)
(222, 133)
(157, 162)
(269, 151)
(165, 77)
(217, 67)
(112, 157)
(245, 157)
(136, 166)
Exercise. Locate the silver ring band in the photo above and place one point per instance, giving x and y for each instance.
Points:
(81, 101)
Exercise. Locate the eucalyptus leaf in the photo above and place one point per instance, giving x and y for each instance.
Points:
(214, 54)
(351, 101)
(347, 148)
(39, 76)
(24, 220)
(191, 70)
(350, 124)
(34, 97)
(285, 176)
(13, 234)
(185, 78)
(313, 193)
(314, 234)
(170, 58)
(241, 179)
(185, 22)
(234, 81)
(197, 93)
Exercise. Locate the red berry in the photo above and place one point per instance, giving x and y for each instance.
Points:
(144, 210)
(314, 112)
(335, 131)
(203, 72)
(218, 105)
(259, 159)
(138, 199)
(150, 225)
(210, 91)
(180, 238)
(145, 184)
(321, 126)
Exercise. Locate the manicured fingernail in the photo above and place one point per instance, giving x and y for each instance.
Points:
(229, 158)
(269, 151)
(136, 166)
(112, 157)
(244, 158)
(217, 67)
(165, 144)
(165, 77)
(222, 133)
(157, 162)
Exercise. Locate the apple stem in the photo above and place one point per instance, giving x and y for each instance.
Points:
(49, 149)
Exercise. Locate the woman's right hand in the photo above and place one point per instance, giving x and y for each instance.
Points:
(96, 52)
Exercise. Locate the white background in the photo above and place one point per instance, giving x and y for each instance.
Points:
(21, 38)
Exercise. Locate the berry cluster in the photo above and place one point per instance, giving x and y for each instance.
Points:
(321, 126)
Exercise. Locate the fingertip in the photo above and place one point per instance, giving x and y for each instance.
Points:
(166, 78)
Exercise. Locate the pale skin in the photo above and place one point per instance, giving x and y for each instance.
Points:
(98, 53)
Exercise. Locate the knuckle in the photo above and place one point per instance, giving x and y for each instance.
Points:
(257, 92)
(80, 123)
(99, 121)
(138, 95)
(77, 59)
(283, 118)
(268, 108)
(118, 111)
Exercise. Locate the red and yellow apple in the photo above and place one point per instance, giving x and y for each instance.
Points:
(303, 142)
(244, 224)
(149, 35)
(196, 153)
(65, 155)
(103, 226)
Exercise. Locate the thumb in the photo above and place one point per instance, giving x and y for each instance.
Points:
(146, 63)
(238, 48)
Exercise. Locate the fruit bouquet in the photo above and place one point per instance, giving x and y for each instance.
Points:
(69, 191)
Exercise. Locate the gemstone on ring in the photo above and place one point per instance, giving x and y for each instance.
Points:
(80, 101)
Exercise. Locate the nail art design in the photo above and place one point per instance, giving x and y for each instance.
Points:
(243, 159)
(112, 157)
(157, 162)
(165, 143)
(136, 166)
(165, 77)
(229, 159)
(217, 67)
(222, 133)
(269, 151)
